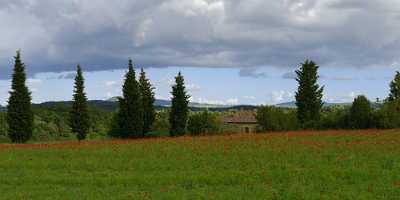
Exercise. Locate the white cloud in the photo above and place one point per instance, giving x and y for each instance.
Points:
(207, 101)
(349, 97)
(33, 81)
(249, 97)
(193, 87)
(162, 97)
(111, 83)
(109, 95)
(232, 101)
(280, 96)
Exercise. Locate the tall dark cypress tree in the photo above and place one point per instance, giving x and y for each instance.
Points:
(19, 111)
(130, 114)
(79, 115)
(309, 95)
(148, 99)
(179, 108)
(395, 88)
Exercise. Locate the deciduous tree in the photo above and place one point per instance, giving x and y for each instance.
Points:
(361, 113)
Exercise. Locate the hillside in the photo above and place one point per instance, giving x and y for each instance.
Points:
(112, 104)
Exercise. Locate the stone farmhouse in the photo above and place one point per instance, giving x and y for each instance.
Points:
(241, 121)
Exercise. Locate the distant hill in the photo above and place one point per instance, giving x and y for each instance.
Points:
(292, 104)
(167, 103)
(105, 105)
(111, 105)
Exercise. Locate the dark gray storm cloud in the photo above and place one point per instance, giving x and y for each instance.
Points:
(54, 36)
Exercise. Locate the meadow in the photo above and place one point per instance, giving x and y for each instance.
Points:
(289, 165)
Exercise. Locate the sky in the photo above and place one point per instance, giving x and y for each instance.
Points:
(230, 51)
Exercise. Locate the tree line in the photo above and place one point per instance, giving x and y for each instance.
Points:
(311, 113)
(136, 114)
(134, 118)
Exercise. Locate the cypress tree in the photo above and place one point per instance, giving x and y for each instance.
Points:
(179, 108)
(395, 88)
(19, 111)
(308, 95)
(130, 114)
(79, 115)
(148, 99)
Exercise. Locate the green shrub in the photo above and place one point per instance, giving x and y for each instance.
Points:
(3, 125)
(361, 113)
(204, 123)
(270, 118)
(388, 116)
(334, 117)
(161, 123)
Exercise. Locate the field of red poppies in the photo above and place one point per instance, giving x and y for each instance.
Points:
(290, 165)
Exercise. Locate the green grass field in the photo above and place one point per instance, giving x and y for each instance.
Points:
(304, 165)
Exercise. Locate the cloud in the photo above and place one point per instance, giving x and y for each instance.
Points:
(349, 97)
(60, 75)
(113, 88)
(342, 78)
(193, 87)
(232, 101)
(111, 83)
(252, 73)
(281, 96)
(289, 75)
(69, 75)
(54, 36)
(293, 75)
(249, 97)
(34, 81)
(208, 101)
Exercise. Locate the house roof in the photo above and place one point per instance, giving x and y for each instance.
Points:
(240, 117)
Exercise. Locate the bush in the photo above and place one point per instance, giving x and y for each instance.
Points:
(161, 123)
(204, 123)
(3, 125)
(361, 113)
(388, 116)
(43, 131)
(270, 118)
(100, 122)
(4, 139)
(334, 117)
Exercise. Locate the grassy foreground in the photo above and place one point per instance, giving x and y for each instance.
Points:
(303, 165)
